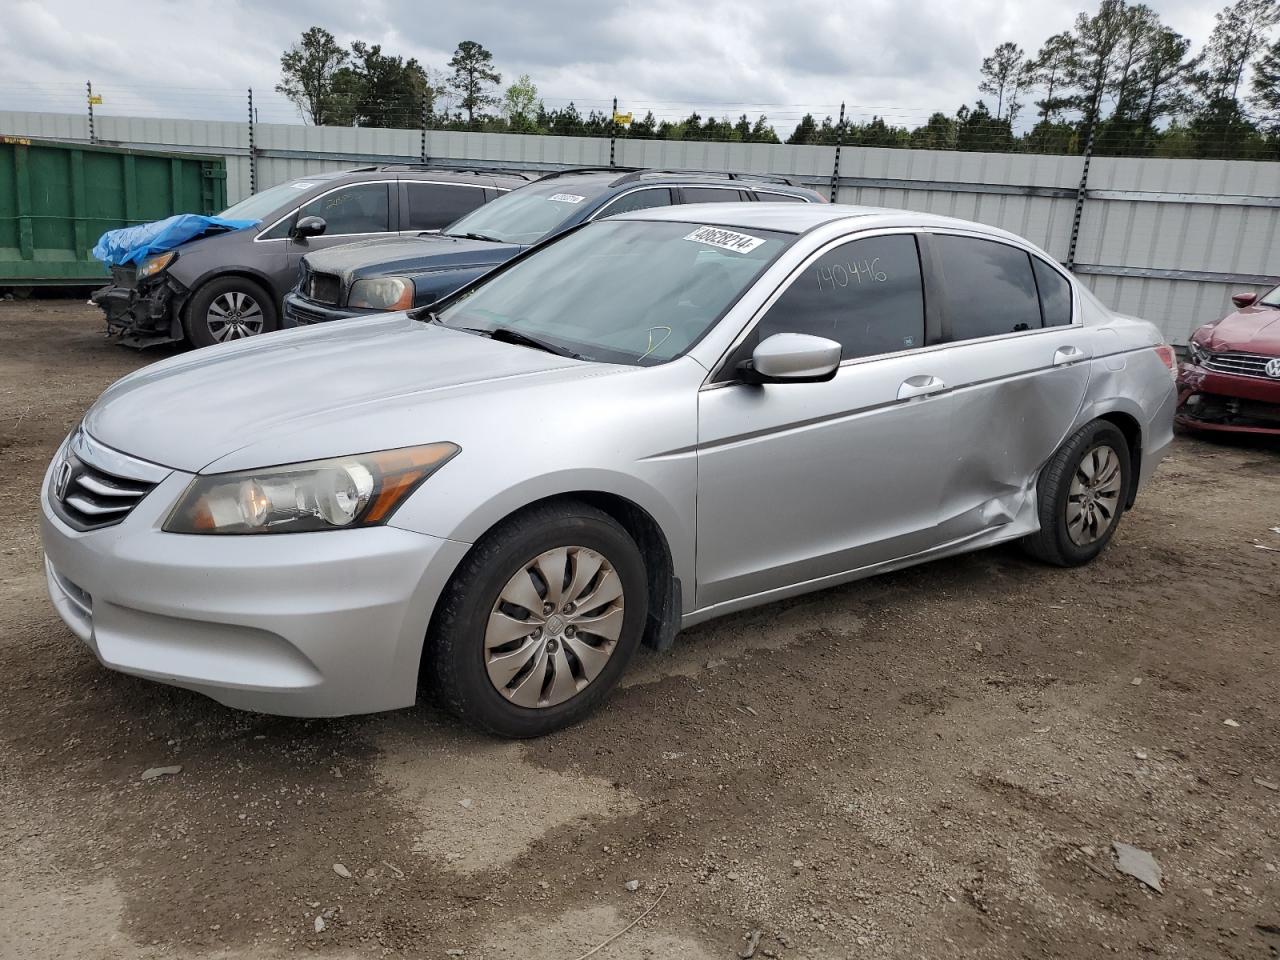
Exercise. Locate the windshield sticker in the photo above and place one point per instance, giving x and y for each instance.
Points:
(725, 239)
(566, 197)
(302, 185)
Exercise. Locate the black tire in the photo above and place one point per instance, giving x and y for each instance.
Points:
(1053, 543)
(197, 325)
(454, 657)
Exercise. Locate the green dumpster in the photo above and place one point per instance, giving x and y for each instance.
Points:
(57, 199)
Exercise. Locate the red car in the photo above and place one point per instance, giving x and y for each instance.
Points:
(1231, 378)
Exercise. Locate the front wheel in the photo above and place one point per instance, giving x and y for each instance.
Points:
(540, 621)
(1082, 494)
(229, 308)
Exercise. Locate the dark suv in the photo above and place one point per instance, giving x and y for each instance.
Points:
(382, 275)
(226, 286)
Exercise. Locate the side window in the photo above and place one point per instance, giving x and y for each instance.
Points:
(711, 195)
(1055, 294)
(765, 197)
(436, 205)
(866, 294)
(361, 208)
(989, 287)
(637, 200)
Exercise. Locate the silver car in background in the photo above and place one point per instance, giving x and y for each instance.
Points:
(647, 422)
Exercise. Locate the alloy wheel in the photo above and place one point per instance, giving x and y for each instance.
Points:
(1093, 500)
(553, 627)
(233, 316)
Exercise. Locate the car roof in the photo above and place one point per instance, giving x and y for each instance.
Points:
(802, 217)
(620, 177)
(416, 171)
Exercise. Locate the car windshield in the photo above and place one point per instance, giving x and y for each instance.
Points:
(526, 215)
(620, 291)
(1271, 299)
(260, 205)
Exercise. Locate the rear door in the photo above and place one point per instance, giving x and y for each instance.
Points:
(428, 206)
(1017, 367)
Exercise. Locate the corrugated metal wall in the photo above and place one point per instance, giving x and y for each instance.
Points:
(1168, 240)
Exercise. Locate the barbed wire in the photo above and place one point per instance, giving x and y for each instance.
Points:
(890, 125)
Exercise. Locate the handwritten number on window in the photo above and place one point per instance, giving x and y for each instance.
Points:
(854, 273)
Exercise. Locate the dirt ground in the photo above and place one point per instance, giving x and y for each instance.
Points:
(931, 764)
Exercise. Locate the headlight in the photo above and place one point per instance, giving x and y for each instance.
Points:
(357, 491)
(382, 293)
(153, 265)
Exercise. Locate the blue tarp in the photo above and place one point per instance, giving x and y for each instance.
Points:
(135, 244)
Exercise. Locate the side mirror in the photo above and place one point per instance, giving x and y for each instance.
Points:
(1243, 299)
(791, 358)
(309, 227)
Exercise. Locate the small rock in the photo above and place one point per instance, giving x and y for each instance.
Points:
(732, 876)
(1230, 723)
(753, 941)
(1266, 783)
(466, 803)
(313, 904)
(977, 646)
(632, 885)
(1270, 868)
(1140, 754)
(455, 952)
(342, 871)
(714, 664)
(1136, 681)
(1089, 851)
(544, 885)
(1139, 864)
(319, 924)
(671, 755)
(797, 864)
(370, 872)
(154, 772)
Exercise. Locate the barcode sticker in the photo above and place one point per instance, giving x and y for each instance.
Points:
(725, 239)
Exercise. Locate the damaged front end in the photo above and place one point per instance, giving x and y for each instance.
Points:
(143, 305)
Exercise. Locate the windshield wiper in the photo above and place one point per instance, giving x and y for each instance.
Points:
(515, 337)
(474, 236)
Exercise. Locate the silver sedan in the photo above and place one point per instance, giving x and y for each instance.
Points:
(645, 423)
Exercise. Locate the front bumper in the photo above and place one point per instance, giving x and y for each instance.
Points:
(309, 624)
(141, 315)
(301, 312)
(1211, 400)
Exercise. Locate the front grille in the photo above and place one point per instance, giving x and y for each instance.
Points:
(323, 288)
(1241, 364)
(301, 316)
(89, 498)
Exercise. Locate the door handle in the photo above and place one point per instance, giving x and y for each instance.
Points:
(1065, 355)
(920, 386)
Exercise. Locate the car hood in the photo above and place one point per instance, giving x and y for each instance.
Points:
(346, 387)
(1252, 330)
(407, 256)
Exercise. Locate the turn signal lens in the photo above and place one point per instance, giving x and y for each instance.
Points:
(357, 491)
(1169, 358)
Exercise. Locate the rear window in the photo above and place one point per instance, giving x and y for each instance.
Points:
(433, 206)
(989, 287)
(712, 195)
(1055, 294)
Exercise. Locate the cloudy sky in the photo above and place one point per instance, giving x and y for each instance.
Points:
(901, 59)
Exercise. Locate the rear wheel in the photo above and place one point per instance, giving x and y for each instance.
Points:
(540, 621)
(1082, 494)
(229, 308)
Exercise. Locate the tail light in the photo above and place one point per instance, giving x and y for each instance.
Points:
(1168, 358)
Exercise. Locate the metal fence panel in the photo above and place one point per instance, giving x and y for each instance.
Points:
(1168, 240)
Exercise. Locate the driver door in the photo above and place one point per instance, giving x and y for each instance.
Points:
(358, 211)
(804, 481)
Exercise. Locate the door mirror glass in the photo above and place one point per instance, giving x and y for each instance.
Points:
(309, 227)
(792, 358)
(1243, 299)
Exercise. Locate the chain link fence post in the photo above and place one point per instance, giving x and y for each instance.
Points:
(613, 132)
(426, 109)
(835, 170)
(88, 86)
(1084, 185)
(253, 153)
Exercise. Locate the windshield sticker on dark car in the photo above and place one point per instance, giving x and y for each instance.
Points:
(302, 185)
(725, 239)
(566, 198)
